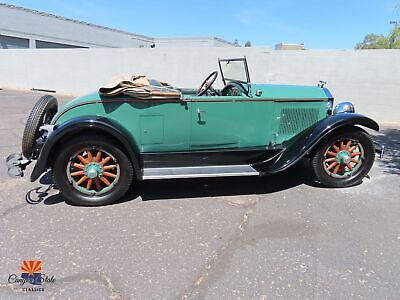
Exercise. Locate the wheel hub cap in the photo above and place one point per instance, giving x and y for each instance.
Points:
(93, 170)
(343, 157)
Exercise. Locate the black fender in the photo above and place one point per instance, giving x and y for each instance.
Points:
(302, 144)
(76, 125)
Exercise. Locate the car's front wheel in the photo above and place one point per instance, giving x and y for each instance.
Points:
(92, 170)
(344, 159)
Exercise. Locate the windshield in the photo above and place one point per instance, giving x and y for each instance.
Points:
(234, 69)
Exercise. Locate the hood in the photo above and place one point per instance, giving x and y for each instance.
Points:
(276, 91)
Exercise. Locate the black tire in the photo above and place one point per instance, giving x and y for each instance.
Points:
(92, 142)
(318, 161)
(42, 113)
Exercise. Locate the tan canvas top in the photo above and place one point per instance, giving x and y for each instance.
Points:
(138, 87)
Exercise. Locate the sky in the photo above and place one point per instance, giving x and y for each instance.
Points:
(319, 24)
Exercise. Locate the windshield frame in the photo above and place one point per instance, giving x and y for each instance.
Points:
(244, 60)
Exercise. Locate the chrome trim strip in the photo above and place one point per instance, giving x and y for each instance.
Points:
(257, 100)
(197, 172)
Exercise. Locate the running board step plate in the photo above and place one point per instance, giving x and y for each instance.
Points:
(197, 172)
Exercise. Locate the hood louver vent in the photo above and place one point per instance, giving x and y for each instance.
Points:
(295, 120)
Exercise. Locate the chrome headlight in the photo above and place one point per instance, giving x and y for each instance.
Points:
(329, 107)
(344, 107)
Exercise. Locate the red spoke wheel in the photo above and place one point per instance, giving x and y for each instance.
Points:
(344, 159)
(92, 170)
(93, 174)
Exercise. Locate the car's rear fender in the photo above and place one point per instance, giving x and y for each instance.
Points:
(75, 126)
(310, 139)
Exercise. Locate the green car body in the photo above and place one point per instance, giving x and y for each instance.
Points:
(208, 122)
(96, 144)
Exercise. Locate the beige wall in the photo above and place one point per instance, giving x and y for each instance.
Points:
(368, 78)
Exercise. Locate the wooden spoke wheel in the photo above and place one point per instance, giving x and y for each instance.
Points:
(92, 170)
(344, 159)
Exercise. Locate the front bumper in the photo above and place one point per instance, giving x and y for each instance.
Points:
(16, 164)
(380, 149)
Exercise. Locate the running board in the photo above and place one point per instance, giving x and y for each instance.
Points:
(197, 172)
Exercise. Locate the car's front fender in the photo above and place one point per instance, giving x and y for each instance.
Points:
(77, 125)
(305, 142)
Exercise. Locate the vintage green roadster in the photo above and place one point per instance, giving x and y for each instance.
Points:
(142, 129)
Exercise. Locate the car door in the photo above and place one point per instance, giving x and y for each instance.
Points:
(229, 122)
(214, 122)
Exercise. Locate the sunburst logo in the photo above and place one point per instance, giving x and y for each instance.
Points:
(32, 271)
(32, 274)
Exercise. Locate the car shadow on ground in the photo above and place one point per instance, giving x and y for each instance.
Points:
(390, 162)
(189, 188)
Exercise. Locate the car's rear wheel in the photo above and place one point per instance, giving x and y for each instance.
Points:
(92, 170)
(41, 114)
(344, 159)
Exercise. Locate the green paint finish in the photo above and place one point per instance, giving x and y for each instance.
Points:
(82, 99)
(151, 130)
(230, 124)
(288, 91)
(173, 118)
(209, 122)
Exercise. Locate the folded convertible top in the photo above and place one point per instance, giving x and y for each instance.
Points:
(139, 87)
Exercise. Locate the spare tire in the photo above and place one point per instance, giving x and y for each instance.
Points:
(41, 114)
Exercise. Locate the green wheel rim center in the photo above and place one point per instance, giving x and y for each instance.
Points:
(93, 170)
(343, 157)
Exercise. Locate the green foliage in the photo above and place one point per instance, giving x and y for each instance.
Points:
(394, 39)
(247, 44)
(374, 41)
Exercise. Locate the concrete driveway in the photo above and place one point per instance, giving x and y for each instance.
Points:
(235, 238)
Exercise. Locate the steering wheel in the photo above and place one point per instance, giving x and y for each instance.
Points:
(207, 83)
(228, 90)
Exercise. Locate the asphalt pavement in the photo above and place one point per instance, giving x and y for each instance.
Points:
(280, 237)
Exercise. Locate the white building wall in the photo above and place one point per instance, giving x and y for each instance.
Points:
(368, 78)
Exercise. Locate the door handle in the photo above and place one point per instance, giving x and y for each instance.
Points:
(199, 112)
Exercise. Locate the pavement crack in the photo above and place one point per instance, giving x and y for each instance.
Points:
(98, 277)
(220, 257)
(115, 294)
(243, 225)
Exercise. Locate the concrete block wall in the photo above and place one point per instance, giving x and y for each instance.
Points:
(368, 78)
